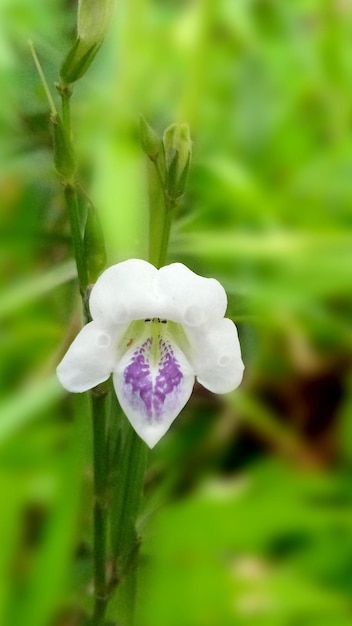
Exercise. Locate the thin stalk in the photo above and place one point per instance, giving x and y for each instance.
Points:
(70, 186)
(42, 78)
(63, 156)
(71, 195)
(169, 207)
(160, 216)
(132, 460)
(75, 223)
(65, 92)
(130, 486)
(99, 416)
(66, 113)
(99, 394)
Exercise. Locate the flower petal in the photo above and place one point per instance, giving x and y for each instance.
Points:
(135, 289)
(89, 360)
(124, 292)
(153, 382)
(190, 299)
(216, 356)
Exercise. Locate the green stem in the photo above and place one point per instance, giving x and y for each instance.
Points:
(127, 463)
(128, 497)
(168, 215)
(160, 216)
(75, 223)
(66, 113)
(65, 92)
(100, 393)
(71, 195)
(99, 411)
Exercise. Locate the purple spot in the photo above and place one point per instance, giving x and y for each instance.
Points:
(152, 390)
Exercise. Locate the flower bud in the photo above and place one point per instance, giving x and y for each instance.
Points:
(178, 151)
(153, 147)
(92, 23)
(151, 143)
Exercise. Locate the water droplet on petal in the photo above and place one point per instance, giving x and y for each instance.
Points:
(103, 340)
(193, 316)
(224, 360)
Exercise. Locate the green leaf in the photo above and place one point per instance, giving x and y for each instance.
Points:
(23, 293)
(28, 405)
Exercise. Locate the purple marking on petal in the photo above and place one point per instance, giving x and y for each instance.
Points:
(138, 375)
(152, 390)
(168, 379)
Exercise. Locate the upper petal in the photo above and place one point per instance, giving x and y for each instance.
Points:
(190, 299)
(89, 360)
(153, 382)
(216, 356)
(135, 289)
(125, 292)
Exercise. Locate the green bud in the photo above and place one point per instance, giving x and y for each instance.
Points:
(64, 157)
(178, 150)
(151, 143)
(94, 246)
(92, 23)
(93, 19)
(153, 147)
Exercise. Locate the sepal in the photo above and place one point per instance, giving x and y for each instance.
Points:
(178, 151)
(78, 60)
(151, 142)
(92, 23)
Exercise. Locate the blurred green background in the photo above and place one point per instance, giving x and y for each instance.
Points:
(251, 493)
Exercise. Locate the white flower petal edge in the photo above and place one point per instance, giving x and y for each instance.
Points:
(89, 360)
(124, 292)
(155, 330)
(135, 289)
(216, 356)
(192, 299)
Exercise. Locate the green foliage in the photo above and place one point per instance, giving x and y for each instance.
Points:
(248, 511)
(265, 545)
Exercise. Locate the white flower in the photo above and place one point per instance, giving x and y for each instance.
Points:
(154, 330)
